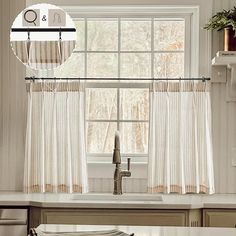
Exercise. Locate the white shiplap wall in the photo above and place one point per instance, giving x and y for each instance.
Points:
(12, 102)
(224, 120)
(129, 185)
(13, 112)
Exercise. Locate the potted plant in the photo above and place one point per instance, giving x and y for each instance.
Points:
(225, 20)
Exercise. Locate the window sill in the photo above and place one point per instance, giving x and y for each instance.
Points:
(106, 169)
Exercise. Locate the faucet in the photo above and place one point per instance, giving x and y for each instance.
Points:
(119, 174)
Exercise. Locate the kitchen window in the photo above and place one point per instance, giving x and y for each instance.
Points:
(114, 46)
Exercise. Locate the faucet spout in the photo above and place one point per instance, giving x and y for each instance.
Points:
(119, 174)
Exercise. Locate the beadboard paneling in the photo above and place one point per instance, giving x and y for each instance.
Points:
(224, 120)
(130, 185)
(13, 103)
(224, 139)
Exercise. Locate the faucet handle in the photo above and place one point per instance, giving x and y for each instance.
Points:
(128, 163)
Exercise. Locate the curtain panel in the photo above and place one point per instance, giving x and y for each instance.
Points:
(180, 145)
(55, 158)
(43, 54)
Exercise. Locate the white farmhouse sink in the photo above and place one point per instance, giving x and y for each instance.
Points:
(117, 198)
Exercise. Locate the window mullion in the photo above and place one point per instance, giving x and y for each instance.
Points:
(85, 47)
(152, 48)
(85, 75)
(118, 89)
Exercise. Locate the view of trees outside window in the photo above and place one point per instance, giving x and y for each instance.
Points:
(130, 48)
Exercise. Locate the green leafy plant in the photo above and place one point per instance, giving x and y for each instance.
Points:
(221, 20)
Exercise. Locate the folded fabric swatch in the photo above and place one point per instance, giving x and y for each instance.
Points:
(37, 232)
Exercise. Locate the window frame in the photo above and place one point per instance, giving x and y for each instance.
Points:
(189, 13)
(191, 60)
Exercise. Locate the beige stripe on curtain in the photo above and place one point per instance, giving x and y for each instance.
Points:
(21, 50)
(43, 54)
(180, 144)
(55, 159)
(67, 48)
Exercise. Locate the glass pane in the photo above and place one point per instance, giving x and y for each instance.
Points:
(169, 35)
(73, 67)
(136, 35)
(135, 65)
(101, 103)
(80, 26)
(102, 65)
(169, 65)
(102, 35)
(100, 137)
(134, 137)
(134, 104)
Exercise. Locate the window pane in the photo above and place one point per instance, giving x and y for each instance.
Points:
(134, 137)
(169, 35)
(136, 35)
(169, 65)
(73, 66)
(100, 137)
(134, 104)
(102, 65)
(80, 29)
(103, 35)
(101, 103)
(135, 65)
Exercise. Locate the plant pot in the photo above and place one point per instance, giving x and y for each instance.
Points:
(229, 39)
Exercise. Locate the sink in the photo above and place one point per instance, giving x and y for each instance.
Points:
(120, 198)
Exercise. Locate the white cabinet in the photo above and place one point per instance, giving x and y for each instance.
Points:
(13, 230)
(115, 217)
(13, 222)
(219, 218)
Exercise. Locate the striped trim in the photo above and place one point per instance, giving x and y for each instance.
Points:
(180, 86)
(49, 188)
(55, 86)
(178, 189)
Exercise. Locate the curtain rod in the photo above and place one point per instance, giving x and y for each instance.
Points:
(43, 29)
(124, 79)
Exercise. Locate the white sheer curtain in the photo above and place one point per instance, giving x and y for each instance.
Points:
(55, 159)
(180, 148)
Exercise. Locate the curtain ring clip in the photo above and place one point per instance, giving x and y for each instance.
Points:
(60, 34)
(28, 34)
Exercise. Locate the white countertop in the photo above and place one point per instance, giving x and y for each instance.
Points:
(169, 201)
(143, 230)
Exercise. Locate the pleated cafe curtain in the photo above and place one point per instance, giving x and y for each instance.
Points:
(180, 146)
(55, 159)
(43, 54)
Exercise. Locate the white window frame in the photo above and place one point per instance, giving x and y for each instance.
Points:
(102, 168)
(189, 13)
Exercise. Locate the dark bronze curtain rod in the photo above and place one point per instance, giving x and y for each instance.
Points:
(43, 29)
(123, 79)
